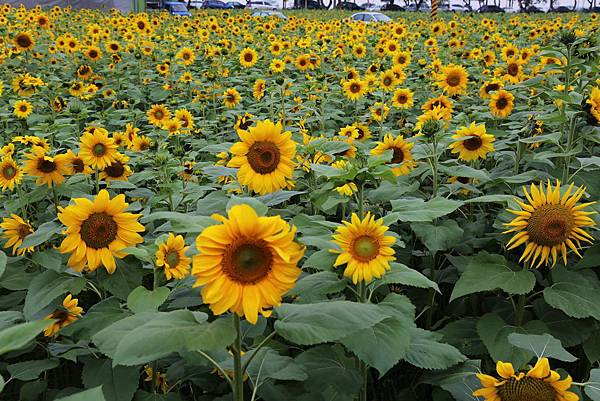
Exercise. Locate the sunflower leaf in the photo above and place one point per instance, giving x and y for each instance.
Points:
(592, 386)
(46, 287)
(16, 337)
(543, 345)
(41, 235)
(143, 300)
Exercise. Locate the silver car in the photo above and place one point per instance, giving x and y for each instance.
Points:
(370, 17)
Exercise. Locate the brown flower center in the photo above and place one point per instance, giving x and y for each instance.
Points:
(550, 225)
(513, 69)
(9, 172)
(387, 81)
(501, 103)
(402, 99)
(98, 230)
(78, 165)
(245, 123)
(99, 150)
(365, 248)
(115, 170)
(159, 115)
(473, 143)
(453, 79)
(528, 388)
(46, 166)
(355, 88)
(172, 259)
(60, 315)
(24, 230)
(398, 156)
(247, 261)
(463, 180)
(93, 53)
(492, 87)
(263, 157)
(23, 41)
(248, 57)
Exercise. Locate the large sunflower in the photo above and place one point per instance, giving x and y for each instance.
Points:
(15, 229)
(97, 149)
(549, 223)
(10, 173)
(48, 170)
(501, 103)
(171, 257)
(472, 142)
(98, 231)
(24, 41)
(538, 384)
(402, 155)
(158, 114)
(264, 157)
(69, 312)
(365, 249)
(247, 263)
(453, 79)
(248, 57)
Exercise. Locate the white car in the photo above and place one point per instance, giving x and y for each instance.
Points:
(268, 14)
(371, 7)
(456, 8)
(371, 17)
(262, 5)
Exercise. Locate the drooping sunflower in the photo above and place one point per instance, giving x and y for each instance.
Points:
(98, 231)
(363, 130)
(403, 98)
(354, 89)
(141, 143)
(49, 170)
(402, 154)
(365, 249)
(10, 173)
(185, 118)
(488, 87)
(264, 157)
(501, 103)
(248, 57)
(258, 90)
(22, 108)
(24, 41)
(117, 170)
(69, 313)
(15, 230)
(538, 384)
(453, 79)
(231, 98)
(171, 257)
(550, 223)
(247, 263)
(158, 114)
(97, 149)
(75, 164)
(472, 142)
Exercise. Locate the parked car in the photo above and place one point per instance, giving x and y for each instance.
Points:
(592, 10)
(392, 7)
(348, 5)
(491, 9)
(413, 7)
(236, 4)
(370, 17)
(268, 14)
(177, 8)
(371, 7)
(261, 5)
(216, 4)
(533, 10)
(455, 8)
(309, 4)
(561, 9)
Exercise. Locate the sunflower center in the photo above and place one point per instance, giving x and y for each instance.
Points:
(46, 166)
(248, 57)
(116, 169)
(78, 165)
(158, 114)
(365, 248)
(99, 150)
(528, 388)
(9, 172)
(93, 53)
(355, 88)
(402, 99)
(245, 123)
(23, 230)
(473, 143)
(172, 259)
(453, 80)
(513, 69)
(501, 103)
(463, 180)
(263, 157)
(398, 156)
(60, 315)
(248, 261)
(387, 81)
(550, 225)
(98, 230)
(23, 108)
(492, 87)
(23, 40)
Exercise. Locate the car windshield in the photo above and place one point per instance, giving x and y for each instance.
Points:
(178, 7)
(381, 18)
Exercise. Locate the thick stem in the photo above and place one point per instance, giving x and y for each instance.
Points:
(238, 373)
(520, 312)
(363, 367)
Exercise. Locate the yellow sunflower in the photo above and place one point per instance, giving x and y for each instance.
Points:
(22, 109)
(186, 56)
(69, 313)
(549, 223)
(365, 249)
(231, 98)
(185, 118)
(49, 170)
(158, 114)
(403, 98)
(10, 173)
(258, 90)
(15, 230)
(24, 41)
(387, 80)
(247, 263)
(264, 157)
(501, 103)
(98, 231)
(354, 89)
(539, 383)
(75, 164)
(248, 57)
(402, 154)
(97, 149)
(117, 170)
(472, 142)
(171, 257)
(453, 79)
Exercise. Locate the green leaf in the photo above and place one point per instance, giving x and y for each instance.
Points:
(50, 259)
(416, 209)
(573, 294)
(144, 300)
(30, 370)
(2, 383)
(463, 335)
(460, 380)
(118, 384)
(321, 260)
(259, 207)
(494, 333)
(320, 283)
(486, 272)
(98, 317)
(268, 364)
(3, 260)
(592, 386)
(325, 321)
(181, 222)
(427, 353)
(543, 345)
(93, 394)
(16, 337)
(41, 235)
(158, 334)
(15, 279)
(402, 274)
(46, 287)
(438, 237)
(591, 347)
(125, 279)
(491, 199)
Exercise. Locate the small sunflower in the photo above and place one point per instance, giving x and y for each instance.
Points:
(365, 249)
(247, 263)
(24, 41)
(22, 109)
(402, 98)
(97, 149)
(402, 154)
(117, 170)
(158, 114)
(185, 118)
(248, 57)
(258, 90)
(75, 164)
(231, 98)
(49, 170)
(171, 257)
(387, 80)
(98, 231)
(538, 384)
(501, 103)
(363, 131)
(141, 143)
(15, 230)
(472, 142)
(453, 79)
(264, 157)
(69, 313)
(354, 89)
(10, 173)
(550, 223)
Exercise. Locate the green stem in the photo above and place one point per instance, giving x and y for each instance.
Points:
(520, 312)
(55, 197)
(255, 350)
(238, 373)
(363, 367)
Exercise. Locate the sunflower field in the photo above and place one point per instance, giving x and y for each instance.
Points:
(228, 207)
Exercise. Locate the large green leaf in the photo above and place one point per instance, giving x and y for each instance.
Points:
(417, 209)
(592, 386)
(463, 335)
(3, 260)
(143, 300)
(438, 237)
(543, 345)
(402, 274)
(320, 283)
(98, 317)
(573, 294)
(48, 286)
(41, 235)
(459, 380)
(325, 321)
(148, 336)
(18, 336)
(118, 383)
(93, 394)
(30, 370)
(268, 364)
(486, 272)
(427, 353)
